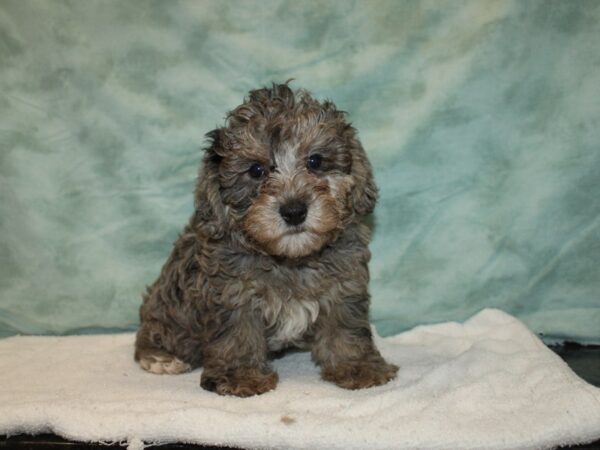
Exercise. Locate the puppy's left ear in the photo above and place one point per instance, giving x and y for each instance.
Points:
(365, 192)
(210, 218)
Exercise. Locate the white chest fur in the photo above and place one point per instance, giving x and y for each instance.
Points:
(288, 319)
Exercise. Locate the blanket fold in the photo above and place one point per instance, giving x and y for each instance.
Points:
(486, 384)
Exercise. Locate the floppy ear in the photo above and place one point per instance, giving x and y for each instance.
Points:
(210, 219)
(364, 194)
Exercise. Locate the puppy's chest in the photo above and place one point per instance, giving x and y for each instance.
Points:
(288, 316)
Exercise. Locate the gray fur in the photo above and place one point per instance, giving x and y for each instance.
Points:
(241, 283)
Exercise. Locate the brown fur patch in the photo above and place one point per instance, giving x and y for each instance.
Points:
(360, 374)
(241, 382)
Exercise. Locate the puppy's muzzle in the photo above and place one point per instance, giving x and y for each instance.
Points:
(293, 212)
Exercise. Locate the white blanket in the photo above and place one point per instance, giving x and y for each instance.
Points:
(486, 384)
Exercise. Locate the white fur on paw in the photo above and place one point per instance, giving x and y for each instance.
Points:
(164, 364)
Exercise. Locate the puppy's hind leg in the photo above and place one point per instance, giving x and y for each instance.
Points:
(155, 359)
(160, 362)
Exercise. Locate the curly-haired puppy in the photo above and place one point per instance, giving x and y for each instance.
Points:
(275, 255)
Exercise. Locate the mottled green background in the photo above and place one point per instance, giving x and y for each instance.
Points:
(482, 120)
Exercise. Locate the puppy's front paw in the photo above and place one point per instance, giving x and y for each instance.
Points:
(360, 374)
(241, 381)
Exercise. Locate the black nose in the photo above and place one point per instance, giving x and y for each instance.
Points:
(293, 212)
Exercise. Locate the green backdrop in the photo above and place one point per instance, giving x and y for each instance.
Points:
(482, 120)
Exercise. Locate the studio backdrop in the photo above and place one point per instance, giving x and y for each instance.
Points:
(481, 119)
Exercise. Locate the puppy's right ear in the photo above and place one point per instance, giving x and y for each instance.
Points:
(210, 219)
(364, 194)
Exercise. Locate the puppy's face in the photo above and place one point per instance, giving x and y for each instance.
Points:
(298, 188)
(289, 172)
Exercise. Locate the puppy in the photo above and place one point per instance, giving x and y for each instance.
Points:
(275, 255)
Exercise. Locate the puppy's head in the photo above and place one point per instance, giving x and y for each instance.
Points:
(285, 175)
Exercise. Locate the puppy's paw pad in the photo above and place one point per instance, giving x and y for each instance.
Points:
(160, 364)
(360, 375)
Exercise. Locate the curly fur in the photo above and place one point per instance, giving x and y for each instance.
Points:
(242, 283)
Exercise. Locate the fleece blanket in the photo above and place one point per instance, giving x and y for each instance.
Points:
(486, 384)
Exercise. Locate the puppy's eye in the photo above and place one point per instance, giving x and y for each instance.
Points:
(314, 161)
(256, 170)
